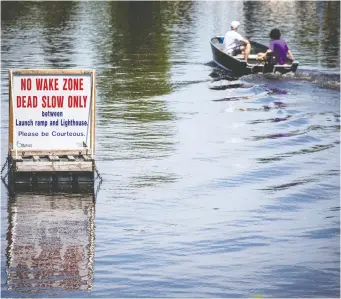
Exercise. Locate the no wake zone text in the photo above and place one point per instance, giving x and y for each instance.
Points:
(52, 84)
(44, 123)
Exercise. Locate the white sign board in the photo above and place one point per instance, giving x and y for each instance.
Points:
(52, 110)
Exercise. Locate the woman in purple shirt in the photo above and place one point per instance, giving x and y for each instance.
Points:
(277, 46)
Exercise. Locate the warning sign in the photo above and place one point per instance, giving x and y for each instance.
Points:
(52, 110)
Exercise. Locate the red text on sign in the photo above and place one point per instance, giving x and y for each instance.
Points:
(47, 84)
(72, 83)
(27, 101)
(77, 101)
(26, 84)
(52, 101)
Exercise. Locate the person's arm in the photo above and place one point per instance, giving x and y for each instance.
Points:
(290, 55)
(245, 41)
(266, 52)
(241, 39)
(262, 55)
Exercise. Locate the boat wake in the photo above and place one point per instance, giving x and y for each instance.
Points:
(321, 79)
(324, 79)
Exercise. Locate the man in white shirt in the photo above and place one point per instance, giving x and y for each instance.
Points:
(234, 43)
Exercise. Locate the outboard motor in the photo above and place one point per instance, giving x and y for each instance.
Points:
(270, 62)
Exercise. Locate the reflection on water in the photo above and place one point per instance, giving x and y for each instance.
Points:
(137, 67)
(50, 243)
(136, 40)
(59, 42)
(135, 71)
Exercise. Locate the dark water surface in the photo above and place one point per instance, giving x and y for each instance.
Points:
(212, 187)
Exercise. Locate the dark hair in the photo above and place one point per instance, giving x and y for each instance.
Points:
(275, 34)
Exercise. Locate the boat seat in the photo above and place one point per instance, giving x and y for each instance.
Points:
(283, 65)
(254, 56)
(241, 56)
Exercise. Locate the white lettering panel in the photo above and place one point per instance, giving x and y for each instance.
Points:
(51, 111)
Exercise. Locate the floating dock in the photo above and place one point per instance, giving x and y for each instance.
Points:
(51, 171)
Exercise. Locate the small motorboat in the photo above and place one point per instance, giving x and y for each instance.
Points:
(238, 66)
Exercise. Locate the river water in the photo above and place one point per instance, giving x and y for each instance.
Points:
(212, 187)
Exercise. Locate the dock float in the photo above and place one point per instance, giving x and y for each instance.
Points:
(52, 169)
